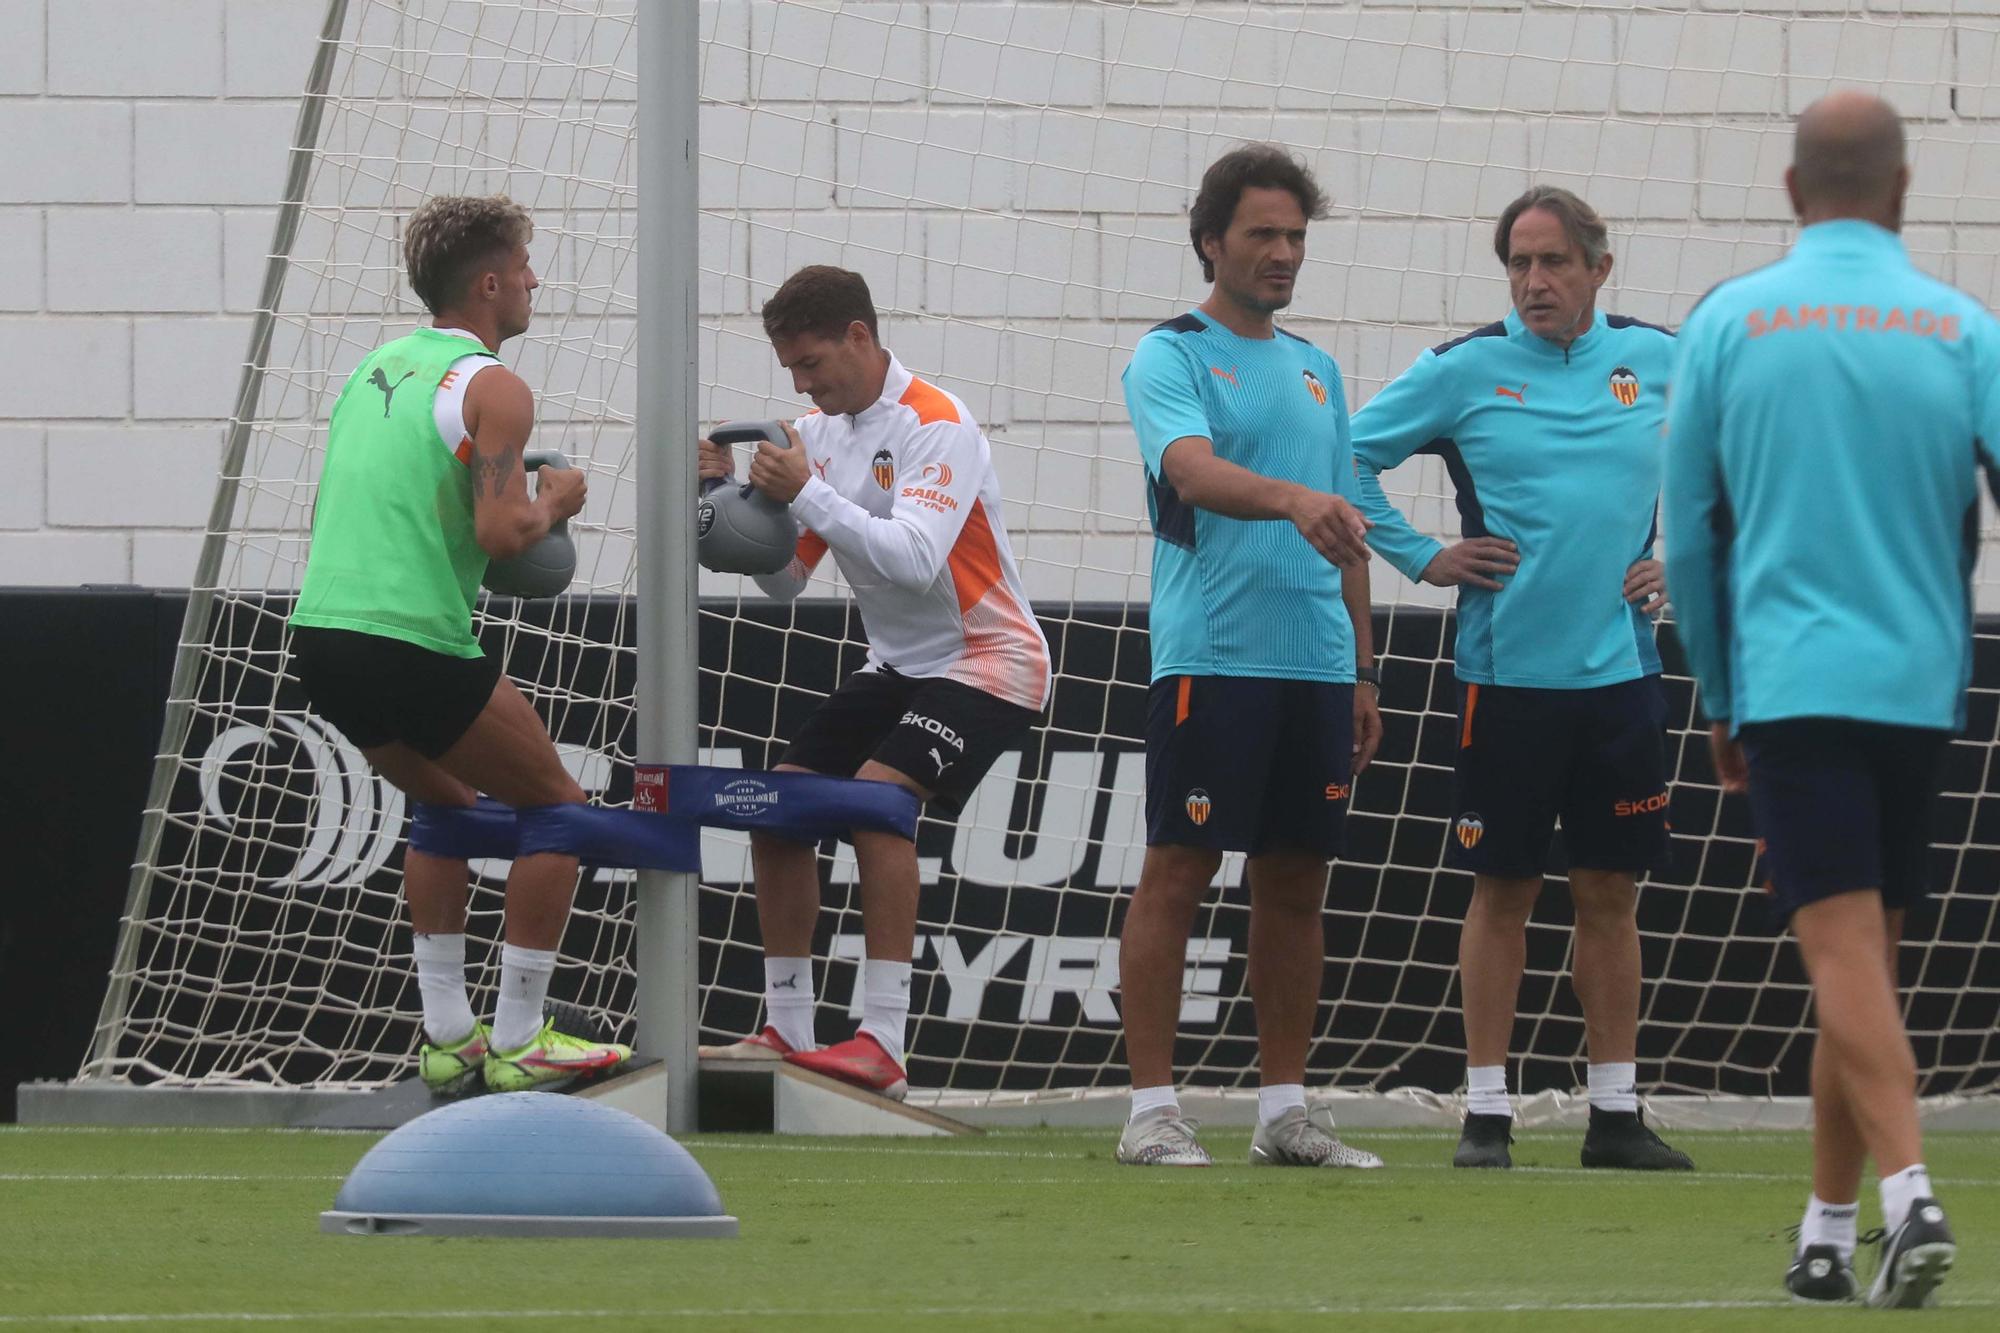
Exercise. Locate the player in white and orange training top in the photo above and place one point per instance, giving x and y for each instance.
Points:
(894, 477)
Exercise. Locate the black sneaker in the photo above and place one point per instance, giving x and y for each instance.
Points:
(1483, 1141)
(1914, 1260)
(1621, 1139)
(1820, 1273)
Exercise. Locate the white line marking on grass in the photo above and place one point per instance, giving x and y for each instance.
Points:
(698, 1147)
(1071, 1181)
(124, 1177)
(179, 1129)
(985, 1312)
(1558, 1131)
(1588, 1173)
(1624, 1177)
(1633, 1178)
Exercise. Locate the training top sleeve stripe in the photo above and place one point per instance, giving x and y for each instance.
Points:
(930, 403)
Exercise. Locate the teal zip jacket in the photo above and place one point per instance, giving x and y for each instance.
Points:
(1830, 415)
(1556, 449)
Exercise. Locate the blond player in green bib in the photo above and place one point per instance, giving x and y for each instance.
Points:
(423, 484)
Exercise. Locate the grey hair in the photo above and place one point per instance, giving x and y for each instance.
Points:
(1580, 222)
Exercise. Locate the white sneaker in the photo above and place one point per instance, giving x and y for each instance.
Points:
(1162, 1138)
(1302, 1137)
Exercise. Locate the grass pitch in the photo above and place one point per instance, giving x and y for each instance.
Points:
(177, 1229)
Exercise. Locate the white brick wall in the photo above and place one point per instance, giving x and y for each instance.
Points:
(137, 138)
(1010, 174)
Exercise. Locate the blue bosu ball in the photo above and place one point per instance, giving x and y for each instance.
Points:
(528, 1164)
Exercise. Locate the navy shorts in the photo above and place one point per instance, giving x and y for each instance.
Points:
(1248, 763)
(1593, 760)
(943, 733)
(376, 689)
(1842, 805)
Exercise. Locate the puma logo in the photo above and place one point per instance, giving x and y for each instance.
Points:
(937, 759)
(1518, 395)
(789, 983)
(381, 381)
(1220, 373)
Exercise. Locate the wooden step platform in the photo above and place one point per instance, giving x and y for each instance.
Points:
(772, 1097)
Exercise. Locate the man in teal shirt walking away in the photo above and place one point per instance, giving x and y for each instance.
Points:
(1830, 415)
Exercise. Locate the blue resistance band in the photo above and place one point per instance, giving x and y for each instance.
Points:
(806, 806)
(803, 806)
(486, 830)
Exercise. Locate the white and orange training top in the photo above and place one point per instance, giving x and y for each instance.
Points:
(904, 495)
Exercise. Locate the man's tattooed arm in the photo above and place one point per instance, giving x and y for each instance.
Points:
(489, 473)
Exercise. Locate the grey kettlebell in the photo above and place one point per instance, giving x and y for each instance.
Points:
(738, 529)
(546, 568)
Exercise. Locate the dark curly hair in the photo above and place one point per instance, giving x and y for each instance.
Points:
(1261, 165)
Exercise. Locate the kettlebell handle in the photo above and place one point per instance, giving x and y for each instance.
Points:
(522, 576)
(729, 433)
(535, 459)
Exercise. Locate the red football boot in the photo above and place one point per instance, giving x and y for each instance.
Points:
(860, 1060)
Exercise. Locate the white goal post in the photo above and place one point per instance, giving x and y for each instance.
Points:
(1012, 177)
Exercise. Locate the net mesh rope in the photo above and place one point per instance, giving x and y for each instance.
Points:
(1012, 179)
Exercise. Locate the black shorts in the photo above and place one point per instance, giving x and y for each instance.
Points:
(1249, 763)
(1842, 805)
(943, 733)
(1592, 759)
(377, 689)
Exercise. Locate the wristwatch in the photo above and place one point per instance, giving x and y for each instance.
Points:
(1369, 675)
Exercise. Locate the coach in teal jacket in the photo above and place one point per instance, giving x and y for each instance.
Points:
(1830, 415)
(1549, 424)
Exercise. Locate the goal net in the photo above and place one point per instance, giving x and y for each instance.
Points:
(1012, 178)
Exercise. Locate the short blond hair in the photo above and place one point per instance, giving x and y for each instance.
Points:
(448, 238)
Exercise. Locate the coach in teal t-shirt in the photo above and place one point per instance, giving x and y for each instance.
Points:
(1548, 423)
(1236, 598)
(1830, 415)
(1255, 726)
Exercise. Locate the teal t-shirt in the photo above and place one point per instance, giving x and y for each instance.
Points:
(1233, 597)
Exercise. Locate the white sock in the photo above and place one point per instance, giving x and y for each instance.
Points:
(1486, 1091)
(789, 1000)
(1900, 1191)
(1829, 1224)
(1274, 1099)
(440, 963)
(1145, 1101)
(524, 988)
(1614, 1087)
(885, 1004)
